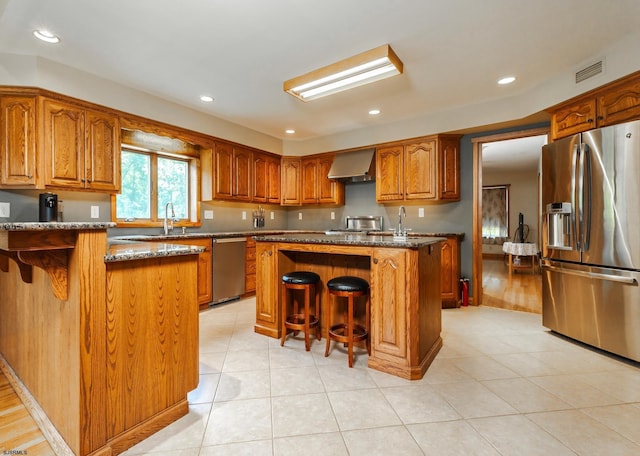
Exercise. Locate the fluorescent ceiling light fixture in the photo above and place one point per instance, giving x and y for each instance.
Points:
(206, 98)
(361, 69)
(46, 35)
(374, 112)
(506, 80)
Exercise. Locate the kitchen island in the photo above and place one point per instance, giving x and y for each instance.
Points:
(404, 276)
(104, 339)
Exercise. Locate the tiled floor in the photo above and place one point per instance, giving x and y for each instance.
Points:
(501, 385)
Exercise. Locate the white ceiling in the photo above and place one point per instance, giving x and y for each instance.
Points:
(240, 52)
(513, 155)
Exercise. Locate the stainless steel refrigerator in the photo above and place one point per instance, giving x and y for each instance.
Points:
(591, 238)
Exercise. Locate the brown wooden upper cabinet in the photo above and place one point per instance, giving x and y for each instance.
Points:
(232, 176)
(18, 144)
(54, 143)
(612, 104)
(317, 188)
(291, 183)
(266, 178)
(425, 169)
(81, 147)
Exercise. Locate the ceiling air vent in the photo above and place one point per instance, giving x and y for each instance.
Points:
(589, 71)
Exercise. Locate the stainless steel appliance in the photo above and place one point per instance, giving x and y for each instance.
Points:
(590, 238)
(360, 224)
(228, 268)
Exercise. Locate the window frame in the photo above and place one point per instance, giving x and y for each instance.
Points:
(193, 161)
(507, 189)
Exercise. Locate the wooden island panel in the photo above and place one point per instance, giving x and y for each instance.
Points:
(405, 296)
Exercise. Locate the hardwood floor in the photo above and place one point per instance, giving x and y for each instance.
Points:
(18, 430)
(523, 292)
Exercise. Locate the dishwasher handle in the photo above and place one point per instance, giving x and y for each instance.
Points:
(229, 240)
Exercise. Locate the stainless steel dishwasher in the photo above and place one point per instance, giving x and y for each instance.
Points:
(228, 268)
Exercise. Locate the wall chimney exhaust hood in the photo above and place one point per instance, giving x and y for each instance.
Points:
(356, 166)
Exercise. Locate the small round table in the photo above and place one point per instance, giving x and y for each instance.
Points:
(521, 249)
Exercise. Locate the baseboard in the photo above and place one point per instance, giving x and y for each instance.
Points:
(493, 256)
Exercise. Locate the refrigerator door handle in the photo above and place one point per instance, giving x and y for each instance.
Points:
(585, 168)
(576, 185)
(592, 275)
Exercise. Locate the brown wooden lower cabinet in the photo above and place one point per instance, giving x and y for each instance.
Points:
(205, 268)
(450, 277)
(250, 266)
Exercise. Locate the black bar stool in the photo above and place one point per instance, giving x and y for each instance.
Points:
(348, 332)
(305, 320)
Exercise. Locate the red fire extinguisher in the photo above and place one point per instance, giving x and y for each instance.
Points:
(464, 289)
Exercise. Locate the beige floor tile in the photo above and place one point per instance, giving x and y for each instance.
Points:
(451, 438)
(183, 434)
(624, 419)
(524, 396)
(473, 400)
(243, 385)
(419, 404)
(574, 391)
(301, 415)
(206, 390)
(211, 363)
(525, 364)
(515, 435)
(296, 381)
(583, 434)
(291, 355)
(342, 378)
(362, 409)
(238, 421)
(219, 344)
(445, 371)
(244, 338)
(314, 444)
(623, 384)
(395, 440)
(246, 360)
(576, 360)
(255, 448)
(187, 452)
(484, 368)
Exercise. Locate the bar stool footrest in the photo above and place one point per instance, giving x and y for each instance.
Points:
(338, 333)
(296, 321)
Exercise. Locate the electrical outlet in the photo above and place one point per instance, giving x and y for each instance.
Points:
(95, 211)
(5, 209)
(273, 215)
(333, 215)
(421, 212)
(208, 214)
(244, 215)
(299, 215)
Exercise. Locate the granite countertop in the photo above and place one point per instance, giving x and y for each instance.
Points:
(411, 242)
(127, 251)
(43, 226)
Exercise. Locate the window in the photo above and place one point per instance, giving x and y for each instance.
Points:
(495, 212)
(145, 174)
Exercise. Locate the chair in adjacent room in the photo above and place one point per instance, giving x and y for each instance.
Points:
(296, 319)
(348, 332)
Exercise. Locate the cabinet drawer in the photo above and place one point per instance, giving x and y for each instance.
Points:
(250, 253)
(250, 267)
(250, 283)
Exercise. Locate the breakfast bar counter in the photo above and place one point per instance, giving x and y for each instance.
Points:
(102, 339)
(404, 278)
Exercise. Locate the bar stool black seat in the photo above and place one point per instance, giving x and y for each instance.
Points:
(300, 320)
(348, 332)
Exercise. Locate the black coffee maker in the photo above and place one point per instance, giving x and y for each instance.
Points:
(48, 207)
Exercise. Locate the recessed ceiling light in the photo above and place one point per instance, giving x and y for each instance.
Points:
(290, 131)
(46, 35)
(506, 80)
(206, 98)
(374, 112)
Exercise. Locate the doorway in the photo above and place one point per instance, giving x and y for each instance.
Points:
(481, 144)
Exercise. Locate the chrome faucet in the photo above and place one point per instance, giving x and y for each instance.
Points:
(168, 222)
(401, 212)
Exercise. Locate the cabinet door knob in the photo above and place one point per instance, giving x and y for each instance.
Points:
(375, 261)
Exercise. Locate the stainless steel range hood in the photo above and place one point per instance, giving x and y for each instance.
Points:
(356, 166)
